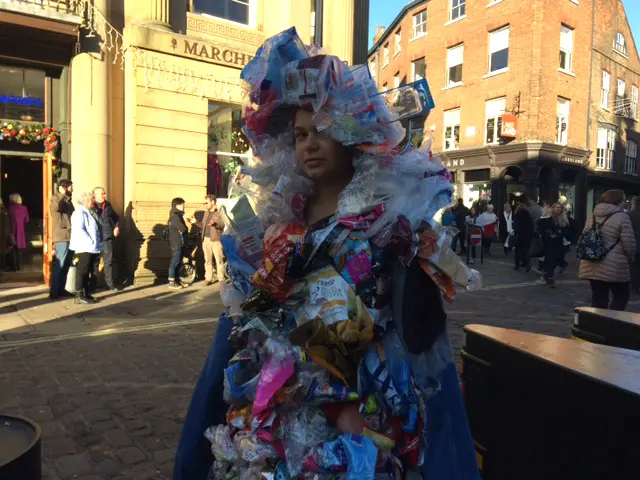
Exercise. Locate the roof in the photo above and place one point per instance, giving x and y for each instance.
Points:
(394, 24)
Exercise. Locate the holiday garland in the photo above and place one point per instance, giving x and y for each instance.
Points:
(29, 133)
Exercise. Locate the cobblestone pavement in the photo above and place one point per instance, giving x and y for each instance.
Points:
(109, 383)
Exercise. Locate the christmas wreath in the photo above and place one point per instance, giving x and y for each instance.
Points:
(29, 133)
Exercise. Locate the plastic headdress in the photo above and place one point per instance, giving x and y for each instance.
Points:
(345, 99)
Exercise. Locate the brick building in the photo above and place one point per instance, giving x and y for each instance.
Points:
(536, 97)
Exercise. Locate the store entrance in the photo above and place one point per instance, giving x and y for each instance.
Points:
(21, 250)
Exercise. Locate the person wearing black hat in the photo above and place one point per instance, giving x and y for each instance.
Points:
(61, 209)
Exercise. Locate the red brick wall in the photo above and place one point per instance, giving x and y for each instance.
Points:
(533, 74)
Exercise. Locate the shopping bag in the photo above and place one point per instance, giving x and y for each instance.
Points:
(536, 249)
(73, 283)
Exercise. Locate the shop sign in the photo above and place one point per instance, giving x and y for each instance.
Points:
(509, 126)
(572, 160)
(222, 55)
(454, 163)
(25, 101)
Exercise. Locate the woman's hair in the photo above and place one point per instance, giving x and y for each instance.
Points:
(520, 207)
(15, 198)
(506, 205)
(561, 220)
(473, 210)
(83, 198)
(613, 197)
(490, 208)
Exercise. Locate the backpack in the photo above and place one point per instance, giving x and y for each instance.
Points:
(590, 245)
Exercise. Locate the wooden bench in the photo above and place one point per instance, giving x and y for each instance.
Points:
(542, 407)
(607, 327)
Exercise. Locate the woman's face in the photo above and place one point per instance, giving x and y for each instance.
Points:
(320, 157)
(507, 208)
(557, 209)
(473, 210)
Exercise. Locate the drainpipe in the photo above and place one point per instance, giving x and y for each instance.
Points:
(582, 186)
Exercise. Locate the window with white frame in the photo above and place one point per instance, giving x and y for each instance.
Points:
(385, 55)
(498, 49)
(606, 148)
(562, 121)
(234, 10)
(420, 24)
(372, 68)
(622, 86)
(398, 37)
(606, 87)
(458, 9)
(620, 105)
(634, 101)
(494, 109)
(418, 68)
(631, 160)
(619, 45)
(452, 129)
(566, 47)
(454, 65)
(396, 80)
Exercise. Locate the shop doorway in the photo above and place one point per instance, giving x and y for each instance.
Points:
(22, 175)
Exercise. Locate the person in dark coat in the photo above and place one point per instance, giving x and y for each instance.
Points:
(461, 213)
(553, 230)
(60, 208)
(177, 230)
(523, 230)
(634, 215)
(109, 223)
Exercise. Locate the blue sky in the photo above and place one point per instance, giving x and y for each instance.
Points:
(382, 12)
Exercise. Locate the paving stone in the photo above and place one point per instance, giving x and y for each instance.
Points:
(71, 466)
(53, 428)
(131, 455)
(102, 426)
(163, 456)
(94, 416)
(116, 438)
(59, 446)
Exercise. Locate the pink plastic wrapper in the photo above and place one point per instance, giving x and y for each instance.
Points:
(279, 368)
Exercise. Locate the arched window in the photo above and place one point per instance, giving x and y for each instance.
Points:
(619, 44)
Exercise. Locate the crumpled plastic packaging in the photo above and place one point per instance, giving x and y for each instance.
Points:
(251, 449)
(222, 446)
(356, 454)
(237, 387)
(305, 428)
(276, 370)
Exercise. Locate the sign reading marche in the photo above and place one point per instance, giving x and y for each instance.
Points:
(222, 55)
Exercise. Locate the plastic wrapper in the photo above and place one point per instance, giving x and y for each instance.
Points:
(356, 454)
(239, 269)
(277, 369)
(240, 384)
(304, 429)
(251, 449)
(222, 446)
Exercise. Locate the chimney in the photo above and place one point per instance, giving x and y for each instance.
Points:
(379, 32)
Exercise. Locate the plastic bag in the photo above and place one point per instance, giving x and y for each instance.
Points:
(276, 370)
(222, 446)
(240, 384)
(251, 449)
(304, 429)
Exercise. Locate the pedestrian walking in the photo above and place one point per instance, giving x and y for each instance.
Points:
(553, 229)
(471, 221)
(211, 228)
(505, 229)
(634, 216)
(177, 231)
(86, 244)
(60, 209)
(109, 223)
(461, 212)
(612, 273)
(524, 231)
(19, 218)
(488, 221)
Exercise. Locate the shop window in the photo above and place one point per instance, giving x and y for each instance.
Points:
(606, 148)
(566, 48)
(454, 65)
(420, 24)
(22, 95)
(631, 161)
(398, 38)
(606, 87)
(494, 109)
(452, 129)
(458, 9)
(418, 69)
(619, 44)
(499, 50)
(228, 146)
(233, 10)
(385, 55)
(562, 120)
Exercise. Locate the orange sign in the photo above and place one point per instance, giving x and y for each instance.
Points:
(509, 126)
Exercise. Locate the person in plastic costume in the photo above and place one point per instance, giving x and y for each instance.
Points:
(334, 167)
